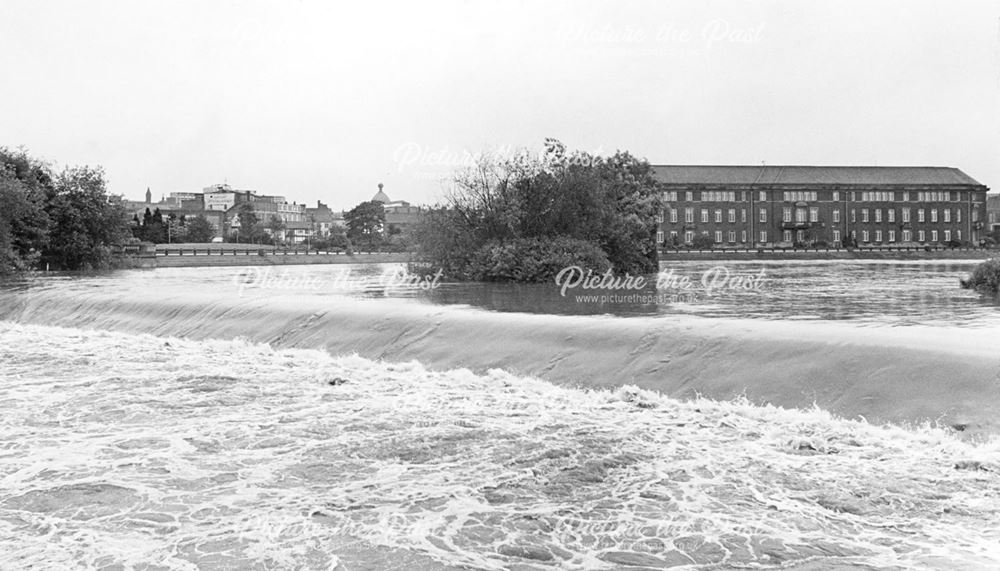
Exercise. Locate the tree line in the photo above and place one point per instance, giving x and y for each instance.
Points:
(64, 220)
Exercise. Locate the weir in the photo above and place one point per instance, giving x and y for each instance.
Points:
(901, 375)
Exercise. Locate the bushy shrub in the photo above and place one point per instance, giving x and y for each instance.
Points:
(702, 242)
(985, 278)
(535, 259)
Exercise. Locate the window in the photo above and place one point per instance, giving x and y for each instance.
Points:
(670, 196)
(975, 215)
(934, 215)
(688, 237)
(689, 196)
(892, 235)
(763, 235)
(813, 214)
(718, 196)
(947, 235)
(800, 214)
(732, 236)
(732, 215)
(799, 196)
(763, 196)
(659, 218)
(854, 216)
(836, 196)
(907, 236)
(920, 236)
(920, 215)
(786, 236)
(743, 236)
(878, 215)
(763, 215)
(906, 215)
(878, 235)
(718, 216)
(906, 196)
(786, 214)
(836, 216)
(864, 235)
(934, 236)
(836, 235)
(743, 215)
(891, 213)
(958, 235)
(673, 216)
(704, 215)
(718, 236)
(659, 237)
(864, 215)
(689, 215)
(947, 214)
(673, 236)
(958, 216)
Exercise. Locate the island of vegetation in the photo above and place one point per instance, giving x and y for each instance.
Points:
(525, 217)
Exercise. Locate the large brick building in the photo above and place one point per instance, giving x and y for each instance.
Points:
(780, 206)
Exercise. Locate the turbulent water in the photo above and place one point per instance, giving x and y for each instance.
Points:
(145, 452)
(189, 449)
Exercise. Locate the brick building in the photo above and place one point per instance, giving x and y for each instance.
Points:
(784, 206)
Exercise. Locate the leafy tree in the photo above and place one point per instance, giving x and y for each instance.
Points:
(702, 242)
(250, 230)
(276, 225)
(199, 229)
(608, 202)
(365, 222)
(85, 221)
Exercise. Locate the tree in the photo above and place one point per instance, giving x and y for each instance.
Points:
(250, 228)
(85, 221)
(365, 222)
(24, 224)
(276, 226)
(199, 229)
(608, 202)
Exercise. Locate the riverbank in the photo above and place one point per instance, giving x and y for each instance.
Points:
(268, 259)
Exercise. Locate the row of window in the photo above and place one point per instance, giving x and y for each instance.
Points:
(800, 196)
(799, 235)
(812, 215)
(812, 196)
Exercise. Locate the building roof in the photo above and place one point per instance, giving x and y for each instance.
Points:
(803, 175)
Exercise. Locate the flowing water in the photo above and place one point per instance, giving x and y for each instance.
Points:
(195, 449)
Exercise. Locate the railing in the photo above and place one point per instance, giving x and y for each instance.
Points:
(251, 251)
(803, 250)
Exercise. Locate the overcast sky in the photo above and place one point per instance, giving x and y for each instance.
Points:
(317, 101)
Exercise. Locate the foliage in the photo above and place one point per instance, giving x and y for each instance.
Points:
(610, 203)
(702, 242)
(275, 225)
(365, 222)
(200, 230)
(535, 259)
(985, 278)
(249, 229)
(85, 221)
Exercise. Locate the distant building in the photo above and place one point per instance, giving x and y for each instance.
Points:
(768, 206)
(321, 219)
(993, 211)
(399, 214)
